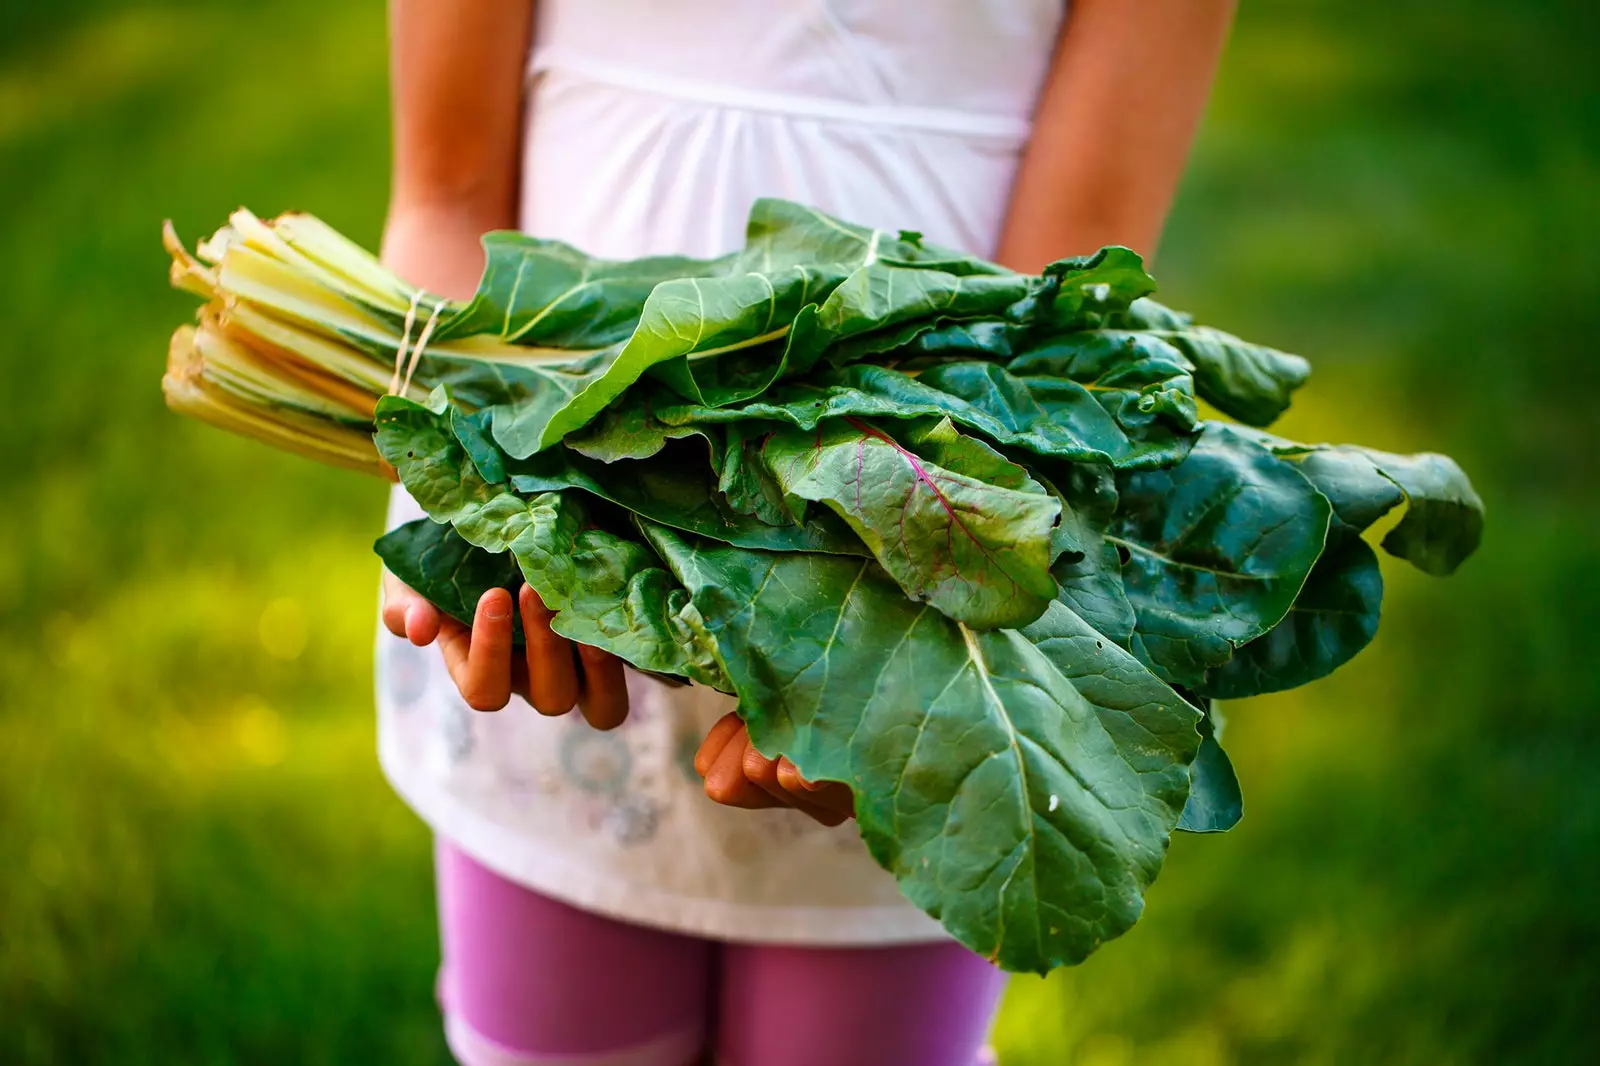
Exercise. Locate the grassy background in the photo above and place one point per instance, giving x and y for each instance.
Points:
(200, 863)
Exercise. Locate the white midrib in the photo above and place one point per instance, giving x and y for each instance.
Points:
(975, 654)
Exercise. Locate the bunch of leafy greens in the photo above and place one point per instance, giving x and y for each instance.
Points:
(955, 536)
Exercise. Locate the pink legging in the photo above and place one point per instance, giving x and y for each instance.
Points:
(529, 981)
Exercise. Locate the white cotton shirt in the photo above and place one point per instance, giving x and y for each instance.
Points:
(651, 126)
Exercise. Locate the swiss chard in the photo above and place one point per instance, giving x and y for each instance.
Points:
(954, 536)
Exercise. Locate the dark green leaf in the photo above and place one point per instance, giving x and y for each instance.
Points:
(1215, 803)
(432, 559)
(1100, 420)
(1087, 568)
(675, 489)
(1443, 521)
(610, 592)
(1246, 381)
(1216, 549)
(1333, 618)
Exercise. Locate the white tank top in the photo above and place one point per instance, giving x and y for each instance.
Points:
(651, 126)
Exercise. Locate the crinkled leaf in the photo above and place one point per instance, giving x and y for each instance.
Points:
(450, 573)
(610, 592)
(882, 306)
(1216, 549)
(1092, 287)
(1100, 421)
(677, 490)
(959, 527)
(627, 430)
(420, 443)
(1144, 384)
(1007, 803)
(1250, 382)
(744, 479)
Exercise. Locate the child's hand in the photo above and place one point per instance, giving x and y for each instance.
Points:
(482, 664)
(738, 775)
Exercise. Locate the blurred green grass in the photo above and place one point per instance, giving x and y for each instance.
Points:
(203, 865)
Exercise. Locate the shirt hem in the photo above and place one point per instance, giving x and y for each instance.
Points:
(503, 852)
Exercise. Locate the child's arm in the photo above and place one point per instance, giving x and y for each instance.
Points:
(457, 71)
(1113, 127)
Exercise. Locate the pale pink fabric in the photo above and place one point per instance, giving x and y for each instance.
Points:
(530, 981)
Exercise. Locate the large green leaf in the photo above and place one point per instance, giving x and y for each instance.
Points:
(1134, 407)
(1336, 614)
(1443, 521)
(955, 523)
(682, 318)
(450, 573)
(549, 294)
(433, 463)
(1334, 617)
(1026, 810)
(611, 591)
(1071, 294)
(1216, 550)
(1246, 381)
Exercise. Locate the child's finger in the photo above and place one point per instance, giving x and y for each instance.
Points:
(552, 676)
(728, 726)
(394, 607)
(827, 801)
(727, 784)
(603, 698)
(454, 641)
(831, 794)
(422, 622)
(483, 674)
(763, 773)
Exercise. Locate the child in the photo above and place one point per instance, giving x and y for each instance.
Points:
(596, 908)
